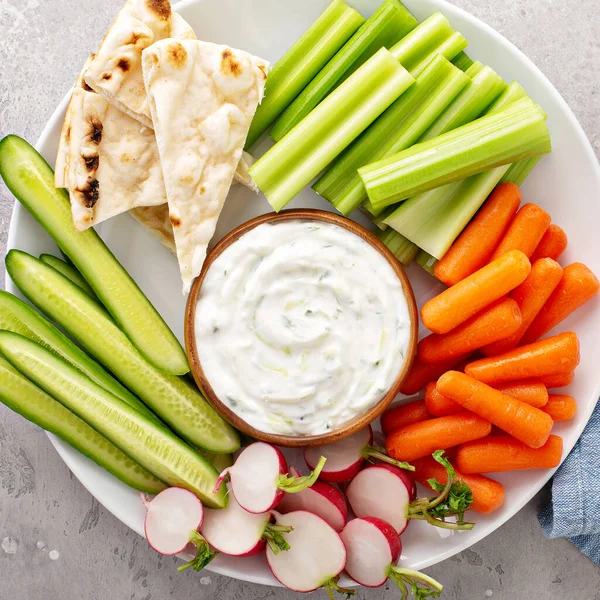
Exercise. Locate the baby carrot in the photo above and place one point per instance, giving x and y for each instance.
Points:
(421, 439)
(496, 322)
(437, 404)
(526, 423)
(557, 380)
(560, 407)
(530, 296)
(577, 286)
(525, 232)
(556, 354)
(552, 245)
(471, 295)
(503, 453)
(422, 373)
(473, 248)
(488, 495)
(404, 414)
(534, 394)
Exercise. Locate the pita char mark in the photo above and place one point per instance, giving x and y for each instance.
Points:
(124, 65)
(161, 8)
(229, 65)
(92, 162)
(175, 221)
(89, 193)
(95, 133)
(176, 55)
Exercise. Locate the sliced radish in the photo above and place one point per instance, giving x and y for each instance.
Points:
(236, 532)
(346, 457)
(172, 521)
(321, 499)
(373, 549)
(316, 556)
(259, 478)
(388, 493)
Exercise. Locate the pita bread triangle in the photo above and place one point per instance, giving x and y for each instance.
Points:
(202, 98)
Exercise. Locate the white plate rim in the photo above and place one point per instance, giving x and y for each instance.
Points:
(451, 11)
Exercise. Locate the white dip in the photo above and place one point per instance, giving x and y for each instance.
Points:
(301, 326)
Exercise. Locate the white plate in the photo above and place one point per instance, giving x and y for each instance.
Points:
(566, 183)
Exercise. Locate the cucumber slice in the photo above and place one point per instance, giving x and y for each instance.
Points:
(19, 317)
(70, 272)
(152, 446)
(29, 177)
(25, 398)
(172, 398)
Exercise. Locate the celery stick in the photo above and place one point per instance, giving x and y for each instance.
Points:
(294, 161)
(402, 248)
(425, 260)
(462, 61)
(519, 131)
(436, 218)
(390, 23)
(399, 127)
(520, 170)
(485, 87)
(433, 36)
(379, 220)
(297, 67)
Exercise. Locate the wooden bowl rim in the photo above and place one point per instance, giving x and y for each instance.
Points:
(359, 422)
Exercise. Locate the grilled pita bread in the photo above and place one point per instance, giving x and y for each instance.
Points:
(156, 220)
(202, 98)
(116, 71)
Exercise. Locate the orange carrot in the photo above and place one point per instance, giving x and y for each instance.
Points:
(577, 286)
(525, 232)
(437, 404)
(556, 354)
(488, 495)
(530, 296)
(503, 453)
(465, 299)
(473, 248)
(534, 394)
(404, 414)
(421, 439)
(422, 373)
(552, 245)
(558, 380)
(496, 322)
(560, 407)
(526, 423)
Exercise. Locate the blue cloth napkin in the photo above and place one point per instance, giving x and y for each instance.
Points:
(574, 511)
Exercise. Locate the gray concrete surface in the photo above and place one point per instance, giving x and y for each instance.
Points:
(42, 43)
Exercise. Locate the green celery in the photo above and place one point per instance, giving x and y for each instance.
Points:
(425, 260)
(379, 220)
(520, 170)
(435, 218)
(402, 248)
(516, 132)
(433, 36)
(484, 88)
(390, 23)
(462, 61)
(297, 67)
(302, 154)
(399, 127)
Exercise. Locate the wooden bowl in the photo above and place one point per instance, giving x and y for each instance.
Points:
(352, 426)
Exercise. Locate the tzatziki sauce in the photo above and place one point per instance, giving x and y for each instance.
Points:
(301, 326)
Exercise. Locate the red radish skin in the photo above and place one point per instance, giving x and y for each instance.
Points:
(236, 532)
(316, 556)
(382, 491)
(373, 549)
(321, 499)
(259, 478)
(173, 518)
(346, 457)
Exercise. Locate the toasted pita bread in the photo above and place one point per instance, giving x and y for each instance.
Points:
(156, 220)
(202, 98)
(116, 71)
